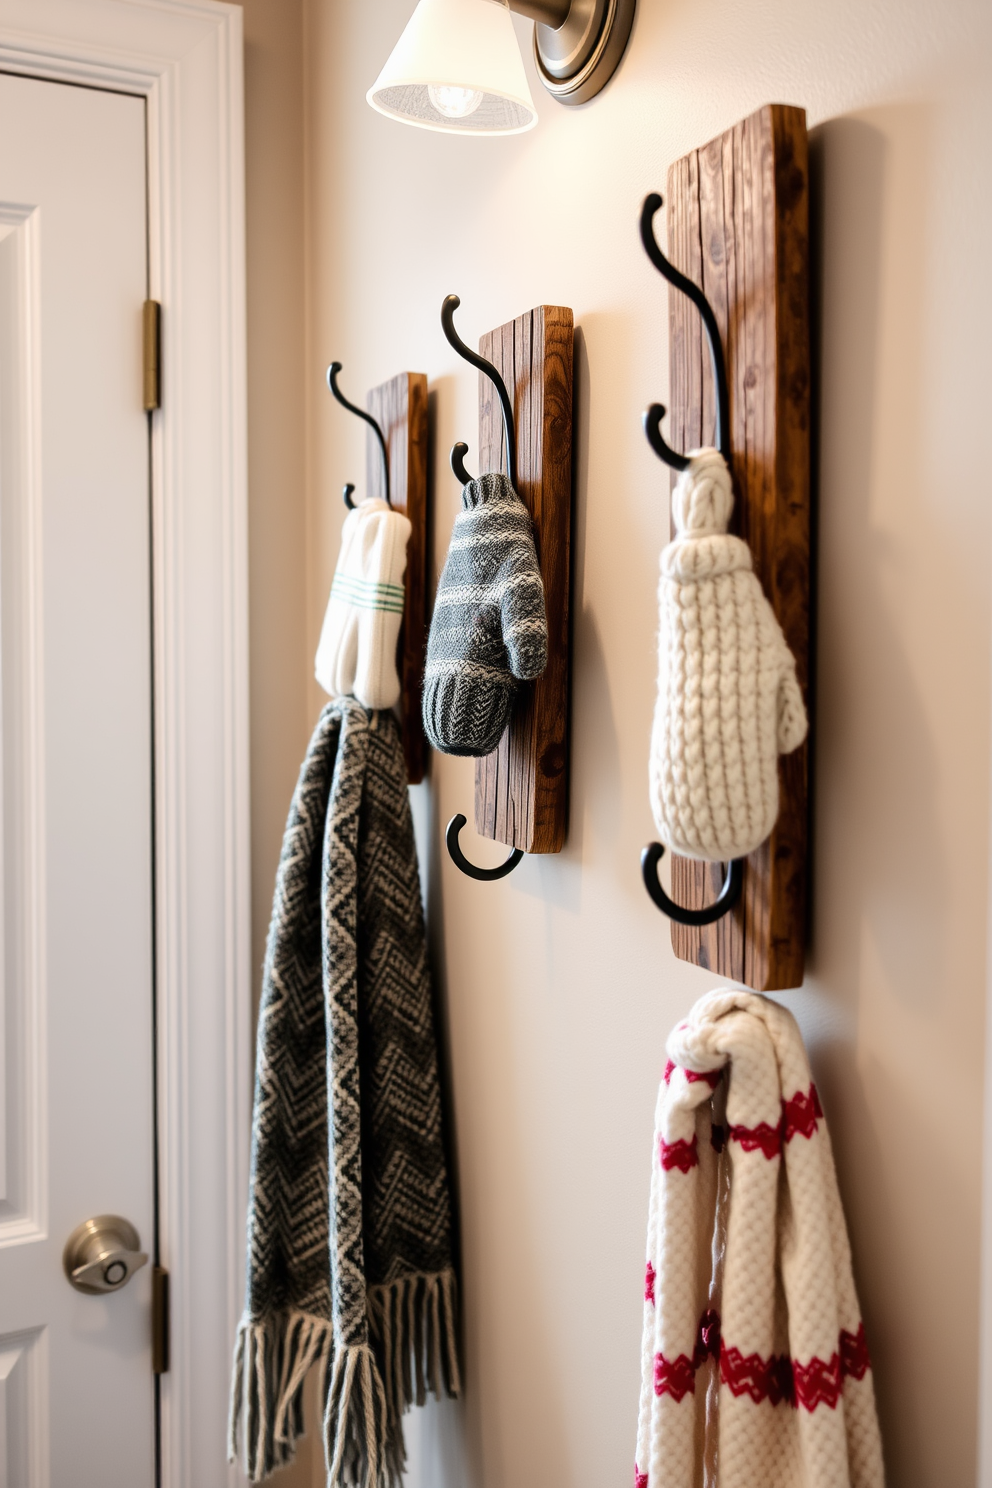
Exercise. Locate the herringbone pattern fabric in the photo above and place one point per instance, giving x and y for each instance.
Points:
(349, 1225)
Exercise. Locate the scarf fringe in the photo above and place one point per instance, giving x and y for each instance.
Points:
(271, 1363)
(355, 1427)
(413, 1326)
(365, 1388)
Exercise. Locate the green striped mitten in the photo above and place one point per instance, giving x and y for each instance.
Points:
(357, 649)
(489, 629)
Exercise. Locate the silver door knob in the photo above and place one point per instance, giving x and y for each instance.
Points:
(102, 1254)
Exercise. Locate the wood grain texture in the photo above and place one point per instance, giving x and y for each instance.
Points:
(400, 407)
(738, 224)
(521, 789)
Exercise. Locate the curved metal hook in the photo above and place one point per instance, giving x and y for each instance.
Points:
(702, 304)
(728, 897)
(448, 308)
(652, 428)
(346, 496)
(332, 383)
(457, 457)
(485, 875)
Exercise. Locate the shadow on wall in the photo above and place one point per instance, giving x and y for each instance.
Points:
(872, 725)
(445, 1440)
(891, 965)
(595, 798)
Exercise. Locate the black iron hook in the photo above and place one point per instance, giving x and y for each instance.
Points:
(652, 855)
(448, 308)
(485, 875)
(651, 419)
(654, 415)
(332, 383)
(457, 457)
(728, 897)
(458, 453)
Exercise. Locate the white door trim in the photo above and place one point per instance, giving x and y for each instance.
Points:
(185, 58)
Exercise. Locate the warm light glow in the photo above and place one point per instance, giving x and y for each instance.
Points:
(454, 103)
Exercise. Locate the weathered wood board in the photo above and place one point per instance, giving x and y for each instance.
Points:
(738, 225)
(400, 407)
(521, 789)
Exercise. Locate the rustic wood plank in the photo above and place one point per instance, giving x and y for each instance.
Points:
(521, 789)
(738, 224)
(400, 407)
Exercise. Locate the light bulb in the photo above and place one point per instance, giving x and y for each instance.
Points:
(457, 68)
(454, 103)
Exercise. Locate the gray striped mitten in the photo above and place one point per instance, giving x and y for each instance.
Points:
(489, 627)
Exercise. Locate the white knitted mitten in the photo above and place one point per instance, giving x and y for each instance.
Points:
(357, 649)
(728, 700)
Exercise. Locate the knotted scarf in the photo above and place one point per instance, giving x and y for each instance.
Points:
(754, 1365)
(349, 1220)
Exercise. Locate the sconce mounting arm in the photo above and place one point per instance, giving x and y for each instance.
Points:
(553, 13)
(578, 46)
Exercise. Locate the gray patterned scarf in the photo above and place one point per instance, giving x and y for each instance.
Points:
(349, 1218)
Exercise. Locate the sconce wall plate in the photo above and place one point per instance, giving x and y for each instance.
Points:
(752, 266)
(578, 59)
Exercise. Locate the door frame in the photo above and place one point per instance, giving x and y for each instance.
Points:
(184, 57)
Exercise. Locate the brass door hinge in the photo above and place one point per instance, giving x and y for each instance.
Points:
(160, 1320)
(151, 325)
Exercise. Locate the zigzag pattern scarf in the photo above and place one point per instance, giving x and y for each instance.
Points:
(754, 1365)
(349, 1220)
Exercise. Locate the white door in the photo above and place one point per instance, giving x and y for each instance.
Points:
(77, 1399)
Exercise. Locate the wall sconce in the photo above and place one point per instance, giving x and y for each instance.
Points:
(457, 66)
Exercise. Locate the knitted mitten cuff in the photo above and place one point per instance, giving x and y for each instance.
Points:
(466, 710)
(489, 627)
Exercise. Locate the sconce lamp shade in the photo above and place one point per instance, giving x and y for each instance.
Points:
(457, 68)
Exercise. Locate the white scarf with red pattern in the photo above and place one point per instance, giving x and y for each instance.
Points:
(754, 1365)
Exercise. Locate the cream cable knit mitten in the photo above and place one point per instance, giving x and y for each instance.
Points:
(728, 700)
(357, 649)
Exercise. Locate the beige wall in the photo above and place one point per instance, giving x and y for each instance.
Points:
(275, 171)
(560, 981)
(276, 428)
